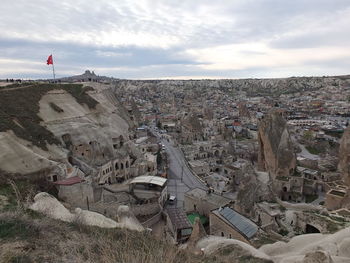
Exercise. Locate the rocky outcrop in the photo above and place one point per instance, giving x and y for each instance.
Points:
(198, 233)
(51, 207)
(308, 248)
(317, 257)
(126, 219)
(344, 156)
(86, 131)
(276, 151)
(252, 189)
(243, 110)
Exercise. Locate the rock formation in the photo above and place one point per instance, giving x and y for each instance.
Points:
(308, 248)
(198, 233)
(344, 156)
(43, 142)
(243, 110)
(276, 151)
(318, 256)
(51, 207)
(251, 190)
(126, 219)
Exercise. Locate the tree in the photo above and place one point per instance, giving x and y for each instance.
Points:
(308, 135)
(159, 124)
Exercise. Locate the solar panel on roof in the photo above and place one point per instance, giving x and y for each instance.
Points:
(243, 224)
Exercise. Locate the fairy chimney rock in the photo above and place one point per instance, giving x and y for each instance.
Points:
(344, 156)
(276, 151)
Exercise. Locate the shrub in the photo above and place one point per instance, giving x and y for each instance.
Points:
(16, 228)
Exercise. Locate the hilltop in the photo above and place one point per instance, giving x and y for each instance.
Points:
(35, 118)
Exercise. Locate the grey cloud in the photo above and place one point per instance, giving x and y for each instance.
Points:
(77, 54)
(240, 21)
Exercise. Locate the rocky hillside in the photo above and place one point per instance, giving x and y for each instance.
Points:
(40, 122)
(27, 237)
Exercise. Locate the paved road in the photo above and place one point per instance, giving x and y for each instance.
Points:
(180, 177)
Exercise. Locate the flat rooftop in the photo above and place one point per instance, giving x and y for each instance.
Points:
(212, 197)
(244, 225)
(178, 218)
(148, 179)
(197, 163)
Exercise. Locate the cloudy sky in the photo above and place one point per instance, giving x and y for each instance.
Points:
(175, 38)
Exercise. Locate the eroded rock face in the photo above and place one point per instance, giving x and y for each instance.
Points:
(251, 190)
(344, 156)
(88, 132)
(51, 207)
(317, 257)
(276, 151)
(198, 233)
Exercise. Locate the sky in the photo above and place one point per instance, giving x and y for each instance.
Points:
(176, 39)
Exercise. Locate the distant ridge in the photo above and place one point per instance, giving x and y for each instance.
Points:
(87, 76)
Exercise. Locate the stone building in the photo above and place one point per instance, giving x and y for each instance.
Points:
(199, 167)
(202, 202)
(76, 191)
(335, 199)
(178, 224)
(149, 188)
(228, 223)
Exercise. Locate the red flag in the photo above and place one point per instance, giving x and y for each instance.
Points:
(49, 60)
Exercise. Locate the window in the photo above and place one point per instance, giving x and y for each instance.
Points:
(222, 234)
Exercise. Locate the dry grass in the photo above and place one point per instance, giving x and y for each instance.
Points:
(39, 239)
(27, 237)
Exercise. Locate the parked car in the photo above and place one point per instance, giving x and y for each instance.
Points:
(172, 199)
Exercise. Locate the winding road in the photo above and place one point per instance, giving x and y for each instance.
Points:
(180, 177)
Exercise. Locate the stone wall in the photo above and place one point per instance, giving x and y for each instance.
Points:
(333, 202)
(145, 209)
(78, 194)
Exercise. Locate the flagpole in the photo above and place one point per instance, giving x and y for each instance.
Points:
(53, 71)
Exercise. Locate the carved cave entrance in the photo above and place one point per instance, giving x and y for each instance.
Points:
(309, 229)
